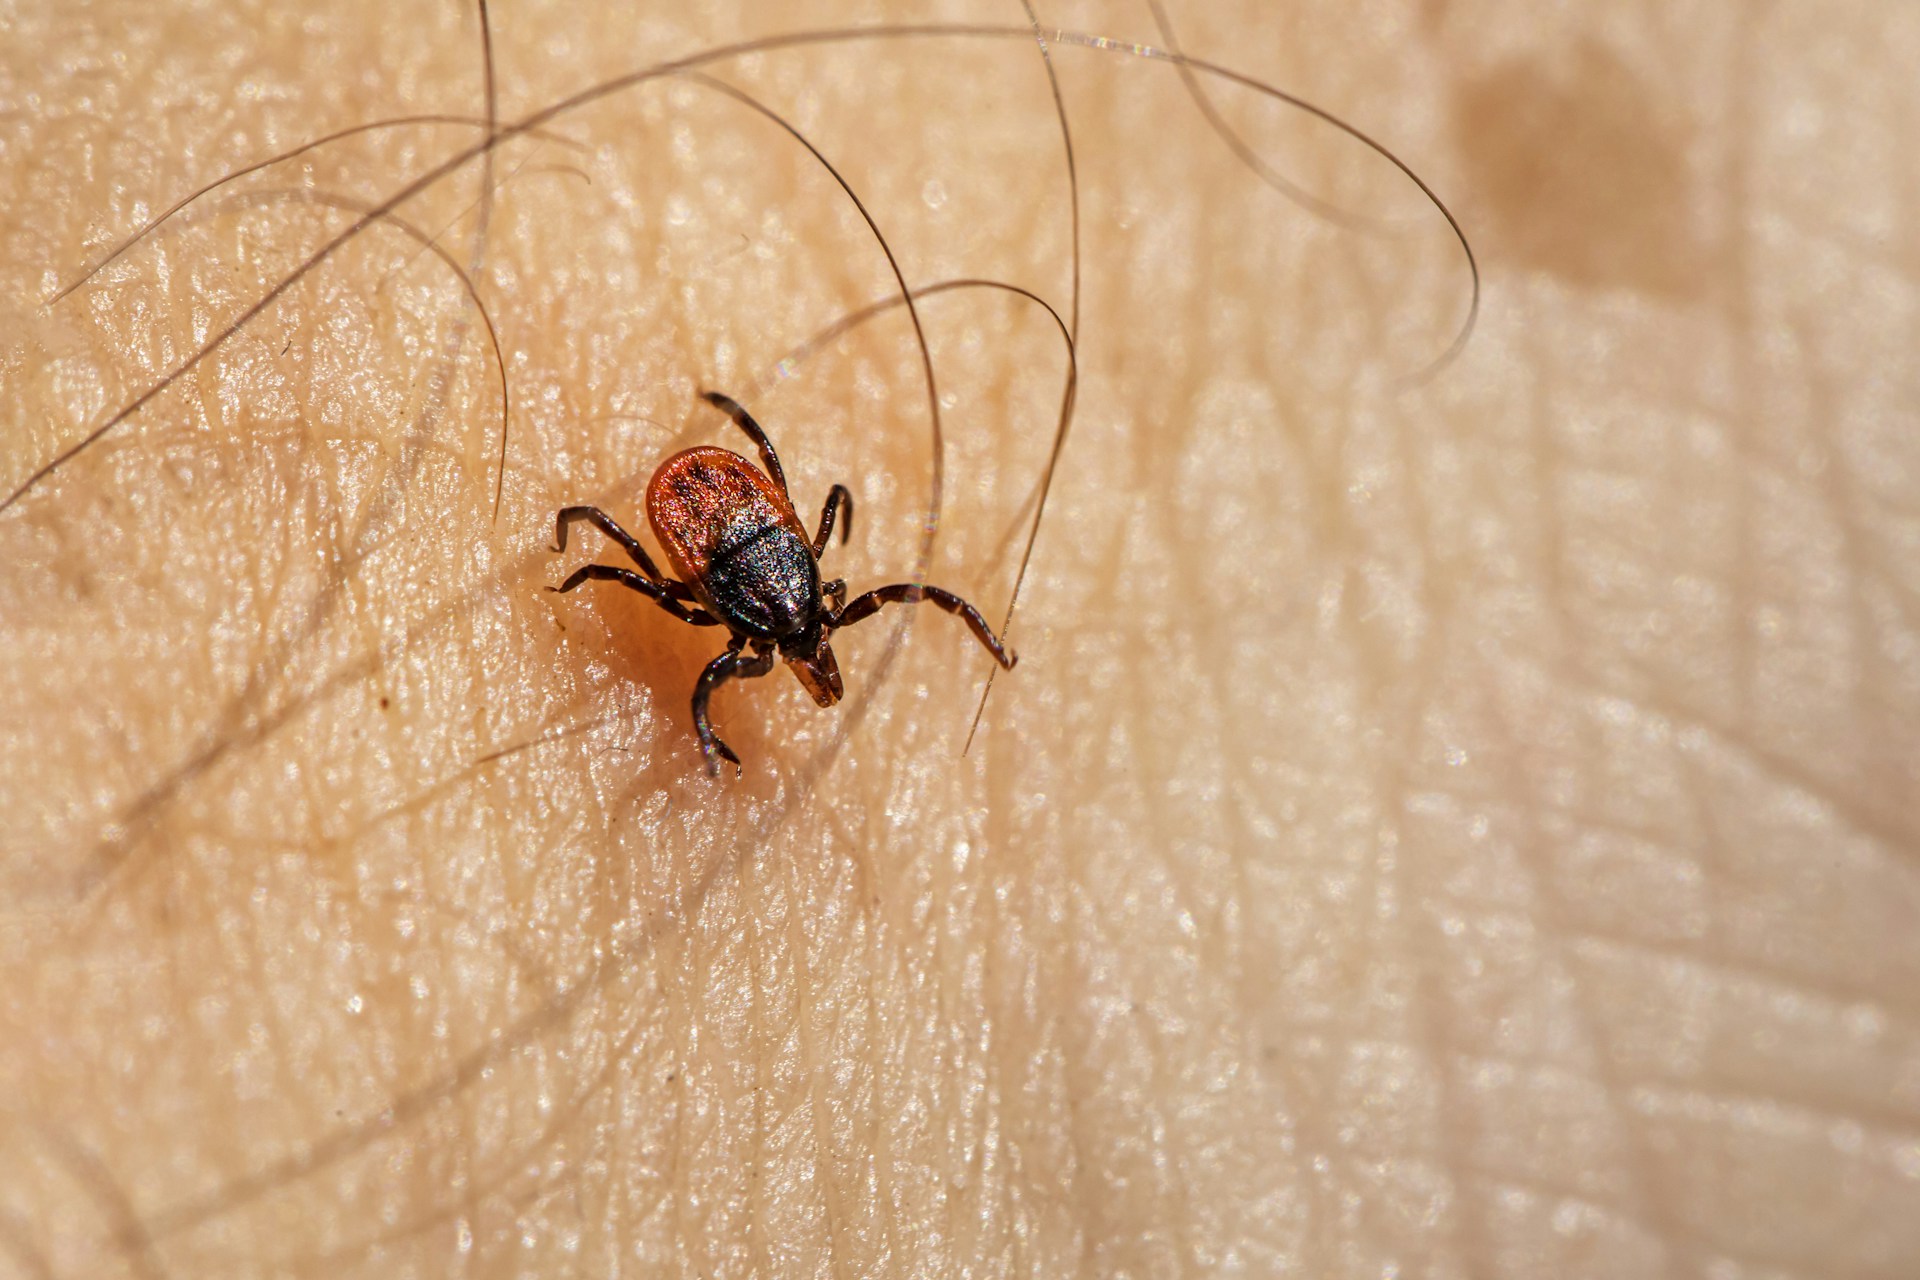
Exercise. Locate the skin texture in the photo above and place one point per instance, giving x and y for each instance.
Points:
(1463, 830)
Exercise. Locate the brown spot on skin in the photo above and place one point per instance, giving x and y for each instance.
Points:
(1581, 165)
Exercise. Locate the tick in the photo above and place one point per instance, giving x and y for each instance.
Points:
(742, 561)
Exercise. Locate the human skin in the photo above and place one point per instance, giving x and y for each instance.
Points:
(1450, 829)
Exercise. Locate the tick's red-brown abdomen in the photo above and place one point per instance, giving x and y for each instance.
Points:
(704, 498)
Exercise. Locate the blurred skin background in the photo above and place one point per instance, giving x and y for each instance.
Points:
(1453, 829)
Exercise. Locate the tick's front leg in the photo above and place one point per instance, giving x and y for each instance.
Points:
(837, 497)
(744, 420)
(608, 525)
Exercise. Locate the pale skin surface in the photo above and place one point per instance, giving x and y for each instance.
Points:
(1460, 831)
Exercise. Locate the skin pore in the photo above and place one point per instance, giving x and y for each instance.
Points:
(1460, 829)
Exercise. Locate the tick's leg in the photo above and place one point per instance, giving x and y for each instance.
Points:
(607, 525)
(730, 665)
(745, 422)
(837, 497)
(836, 591)
(911, 592)
(660, 593)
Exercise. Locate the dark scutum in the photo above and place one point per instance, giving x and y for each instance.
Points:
(766, 583)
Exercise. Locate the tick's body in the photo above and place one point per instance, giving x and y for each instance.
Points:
(732, 537)
(740, 553)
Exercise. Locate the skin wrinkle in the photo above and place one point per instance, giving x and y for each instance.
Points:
(418, 1102)
(1646, 1207)
(813, 1068)
(772, 1022)
(1466, 1239)
(341, 680)
(1553, 553)
(1599, 947)
(1884, 829)
(1834, 489)
(230, 737)
(1173, 1172)
(1216, 939)
(509, 1172)
(125, 1229)
(1426, 652)
(16, 1238)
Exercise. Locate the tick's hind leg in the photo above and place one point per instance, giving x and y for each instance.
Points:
(608, 525)
(661, 593)
(911, 592)
(744, 420)
(730, 665)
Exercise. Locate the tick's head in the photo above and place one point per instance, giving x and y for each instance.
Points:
(810, 658)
